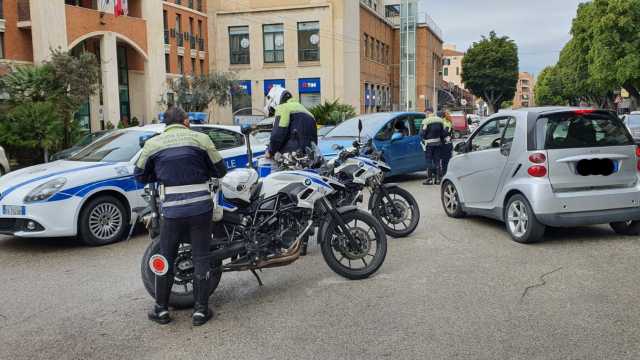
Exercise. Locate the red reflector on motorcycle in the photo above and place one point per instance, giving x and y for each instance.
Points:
(537, 171)
(159, 265)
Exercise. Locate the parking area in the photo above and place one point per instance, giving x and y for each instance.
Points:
(455, 289)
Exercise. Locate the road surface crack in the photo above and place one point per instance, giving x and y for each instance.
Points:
(542, 282)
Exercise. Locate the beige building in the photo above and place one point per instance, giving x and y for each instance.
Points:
(525, 91)
(452, 65)
(320, 50)
(311, 47)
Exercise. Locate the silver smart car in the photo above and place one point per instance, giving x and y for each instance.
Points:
(539, 167)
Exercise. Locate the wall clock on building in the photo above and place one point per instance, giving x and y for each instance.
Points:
(314, 39)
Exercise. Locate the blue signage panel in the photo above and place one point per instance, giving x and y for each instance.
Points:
(268, 84)
(309, 86)
(245, 87)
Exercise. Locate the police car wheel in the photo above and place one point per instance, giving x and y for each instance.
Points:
(103, 220)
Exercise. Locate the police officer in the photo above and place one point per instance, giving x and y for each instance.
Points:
(182, 161)
(294, 127)
(447, 147)
(433, 134)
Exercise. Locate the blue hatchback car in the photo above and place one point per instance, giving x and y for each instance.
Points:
(396, 134)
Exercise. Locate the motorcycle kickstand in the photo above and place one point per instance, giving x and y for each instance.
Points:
(257, 277)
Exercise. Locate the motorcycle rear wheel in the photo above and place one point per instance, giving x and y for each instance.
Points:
(341, 255)
(182, 290)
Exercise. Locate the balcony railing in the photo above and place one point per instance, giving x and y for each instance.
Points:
(24, 11)
(201, 44)
(180, 39)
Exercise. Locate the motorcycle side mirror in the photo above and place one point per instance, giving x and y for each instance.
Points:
(359, 125)
(356, 144)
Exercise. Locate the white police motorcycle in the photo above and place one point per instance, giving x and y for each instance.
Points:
(264, 224)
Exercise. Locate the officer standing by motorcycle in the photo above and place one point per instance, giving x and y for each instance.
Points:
(447, 147)
(294, 127)
(182, 162)
(433, 135)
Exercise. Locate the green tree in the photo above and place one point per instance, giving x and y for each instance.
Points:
(615, 53)
(33, 125)
(490, 69)
(332, 113)
(549, 90)
(195, 94)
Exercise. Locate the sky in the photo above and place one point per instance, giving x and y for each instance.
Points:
(539, 27)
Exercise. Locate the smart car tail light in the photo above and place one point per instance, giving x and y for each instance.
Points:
(638, 157)
(539, 168)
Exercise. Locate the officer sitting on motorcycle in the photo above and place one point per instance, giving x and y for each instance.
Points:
(294, 127)
(182, 161)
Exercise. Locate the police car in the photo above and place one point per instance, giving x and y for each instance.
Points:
(91, 194)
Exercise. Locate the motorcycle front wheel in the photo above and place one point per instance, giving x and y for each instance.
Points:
(182, 290)
(400, 216)
(358, 258)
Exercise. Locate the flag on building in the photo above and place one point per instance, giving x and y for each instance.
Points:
(121, 7)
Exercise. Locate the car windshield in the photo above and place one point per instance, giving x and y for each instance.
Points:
(119, 146)
(325, 130)
(370, 125)
(571, 130)
(633, 120)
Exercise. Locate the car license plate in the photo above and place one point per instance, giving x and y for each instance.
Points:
(14, 210)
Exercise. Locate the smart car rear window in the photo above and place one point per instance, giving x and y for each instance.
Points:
(578, 130)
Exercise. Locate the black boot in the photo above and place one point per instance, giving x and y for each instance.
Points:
(160, 315)
(201, 311)
(429, 180)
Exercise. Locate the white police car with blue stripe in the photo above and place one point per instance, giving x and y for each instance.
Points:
(91, 194)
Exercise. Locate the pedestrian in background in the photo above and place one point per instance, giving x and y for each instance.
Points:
(433, 134)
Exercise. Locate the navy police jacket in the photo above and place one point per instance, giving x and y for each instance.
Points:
(178, 157)
(294, 128)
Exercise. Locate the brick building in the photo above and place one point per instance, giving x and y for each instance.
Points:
(134, 61)
(525, 91)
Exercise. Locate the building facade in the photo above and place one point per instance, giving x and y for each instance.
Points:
(136, 50)
(525, 91)
(452, 66)
(320, 50)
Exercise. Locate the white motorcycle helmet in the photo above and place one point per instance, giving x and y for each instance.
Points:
(276, 96)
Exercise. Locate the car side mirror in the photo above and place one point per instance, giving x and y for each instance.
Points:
(246, 129)
(460, 147)
(396, 136)
(143, 140)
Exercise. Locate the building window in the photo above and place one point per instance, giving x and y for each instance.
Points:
(239, 45)
(193, 66)
(178, 27)
(180, 64)
(309, 90)
(457, 71)
(200, 38)
(167, 63)
(165, 26)
(1, 45)
(446, 71)
(273, 43)
(1, 9)
(366, 46)
(372, 44)
(192, 38)
(241, 98)
(309, 41)
(202, 69)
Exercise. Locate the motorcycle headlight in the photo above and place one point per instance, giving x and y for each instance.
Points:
(46, 190)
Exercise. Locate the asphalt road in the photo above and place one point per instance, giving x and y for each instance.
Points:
(457, 289)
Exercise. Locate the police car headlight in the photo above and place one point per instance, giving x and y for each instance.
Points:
(46, 190)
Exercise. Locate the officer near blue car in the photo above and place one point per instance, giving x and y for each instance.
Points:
(433, 136)
(182, 162)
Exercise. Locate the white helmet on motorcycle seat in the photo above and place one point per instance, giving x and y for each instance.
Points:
(276, 96)
(239, 184)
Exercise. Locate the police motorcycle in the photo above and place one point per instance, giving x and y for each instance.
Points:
(360, 168)
(262, 223)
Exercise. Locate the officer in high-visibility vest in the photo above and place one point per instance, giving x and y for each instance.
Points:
(182, 161)
(447, 147)
(433, 135)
